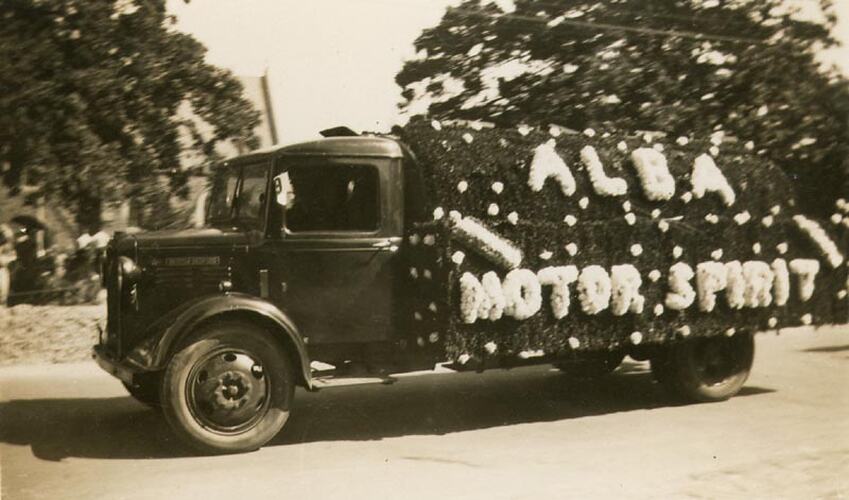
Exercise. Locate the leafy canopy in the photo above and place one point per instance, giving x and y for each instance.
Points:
(89, 98)
(745, 68)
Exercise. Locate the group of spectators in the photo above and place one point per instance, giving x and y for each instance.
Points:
(34, 271)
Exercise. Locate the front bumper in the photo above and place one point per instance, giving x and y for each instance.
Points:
(111, 366)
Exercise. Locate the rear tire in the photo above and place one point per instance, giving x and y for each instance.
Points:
(705, 369)
(229, 390)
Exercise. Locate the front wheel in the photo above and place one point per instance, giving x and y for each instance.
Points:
(706, 369)
(229, 390)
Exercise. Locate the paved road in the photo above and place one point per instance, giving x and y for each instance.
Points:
(69, 431)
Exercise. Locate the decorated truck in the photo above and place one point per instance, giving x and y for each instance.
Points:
(356, 257)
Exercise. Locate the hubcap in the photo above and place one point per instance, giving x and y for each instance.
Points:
(716, 360)
(227, 391)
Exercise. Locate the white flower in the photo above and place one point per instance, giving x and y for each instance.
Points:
(546, 255)
(626, 206)
(571, 249)
(730, 332)
(584, 202)
(636, 338)
(570, 220)
(630, 218)
(658, 147)
(836, 218)
(497, 187)
(636, 249)
(531, 354)
(436, 125)
(714, 151)
(782, 248)
(663, 226)
(712, 218)
(594, 289)
(682, 141)
(654, 275)
(414, 239)
(841, 204)
(807, 319)
(742, 218)
(756, 248)
(775, 210)
(589, 132)
(677, 252)
(716, 254)
(574, 343)
(767, 221)
(749, 145)
(462, 186)
(414, 273)
(438, 213)
(684, 331)
(841, 294)
(658, 309)
(569, 68)
(458, 257)
(487, 243)
(763, 110)
(524, 129)
(658, 184)
(772, 322)
(492, 209)
(554, 131)
(513, 218)
(655, 213)
(429, 240)
(427, 274)
(707, 177)
(463, 359)
(547, 163)
(559, 278)
(468, 138)
(622, 146)
(818, 235)
(806, 270)
(602, 184)
(433, 337)
(687, 196)
(490, 347)
(475, 50)
(681, 293)
(420, 341)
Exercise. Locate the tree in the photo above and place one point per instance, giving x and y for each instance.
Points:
(89, 98)
(744, 68)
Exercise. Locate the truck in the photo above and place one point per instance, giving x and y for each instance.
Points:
(347, 260)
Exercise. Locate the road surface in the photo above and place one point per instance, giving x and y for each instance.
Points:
(70, 431)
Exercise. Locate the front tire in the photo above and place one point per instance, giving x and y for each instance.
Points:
(706, 369)
(229, 390)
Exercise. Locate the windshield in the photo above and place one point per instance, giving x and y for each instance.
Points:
(238, 194)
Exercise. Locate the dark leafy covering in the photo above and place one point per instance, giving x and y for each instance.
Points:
(603, 237)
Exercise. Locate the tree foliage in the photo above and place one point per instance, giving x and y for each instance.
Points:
(745, 68)
(89, 98)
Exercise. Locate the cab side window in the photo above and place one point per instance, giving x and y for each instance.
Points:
(333, 197)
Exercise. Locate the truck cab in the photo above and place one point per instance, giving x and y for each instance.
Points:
(299, 261)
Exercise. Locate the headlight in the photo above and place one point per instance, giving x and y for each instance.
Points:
(129, 270)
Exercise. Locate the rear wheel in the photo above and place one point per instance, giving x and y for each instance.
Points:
(229, 390)
(706, 369)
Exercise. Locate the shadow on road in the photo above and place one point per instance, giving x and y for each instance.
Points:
(120, 428)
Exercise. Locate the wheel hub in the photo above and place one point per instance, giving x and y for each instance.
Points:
(228, 391)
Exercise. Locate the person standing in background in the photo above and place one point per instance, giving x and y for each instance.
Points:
(7, 256)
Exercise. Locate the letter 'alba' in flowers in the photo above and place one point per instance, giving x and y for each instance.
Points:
(522, 293)
(559, 278)
(657, 182)
(625, 296)
(602, 184)
(594, 289)
(707, 177)
(681, 293)
(547, 163)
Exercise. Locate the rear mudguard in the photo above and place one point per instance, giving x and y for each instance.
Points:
(155, 351)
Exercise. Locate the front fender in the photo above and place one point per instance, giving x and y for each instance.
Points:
(154, 352)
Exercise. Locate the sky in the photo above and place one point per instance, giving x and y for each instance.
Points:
(333, 62)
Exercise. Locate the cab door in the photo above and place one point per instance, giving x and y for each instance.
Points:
(336, 257)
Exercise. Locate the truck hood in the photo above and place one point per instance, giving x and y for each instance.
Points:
(205, 237)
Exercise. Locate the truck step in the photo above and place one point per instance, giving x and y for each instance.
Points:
(330, 381)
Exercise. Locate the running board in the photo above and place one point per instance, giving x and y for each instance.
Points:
(329, 381)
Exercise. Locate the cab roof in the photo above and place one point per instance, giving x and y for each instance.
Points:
(359, 146)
